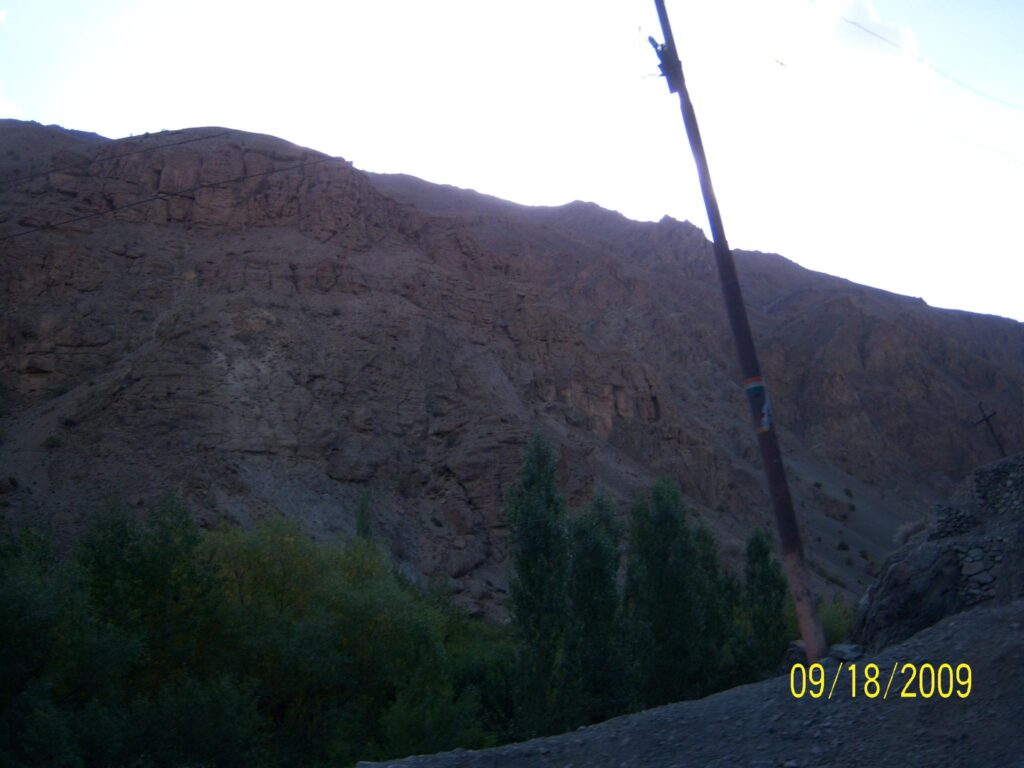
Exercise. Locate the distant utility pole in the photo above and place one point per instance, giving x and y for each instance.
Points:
(986, 419)
(757, 394)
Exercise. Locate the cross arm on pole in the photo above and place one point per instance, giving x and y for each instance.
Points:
(669, 64)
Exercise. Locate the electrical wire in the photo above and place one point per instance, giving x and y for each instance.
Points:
(86, 163)
(966, 140)
(164, 196)
(953, 79)
(801, 73)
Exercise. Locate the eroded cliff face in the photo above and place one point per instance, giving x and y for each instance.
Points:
(269, 331)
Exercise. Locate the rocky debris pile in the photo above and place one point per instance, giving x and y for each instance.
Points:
(765, 725)
(845, 652)
(951, 521)
(973, 553)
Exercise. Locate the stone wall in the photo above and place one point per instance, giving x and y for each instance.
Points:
(972, 553)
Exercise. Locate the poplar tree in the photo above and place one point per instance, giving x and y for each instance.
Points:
(538, 551)
(660, 605)
(764, 598)
(596, 679)
(676, 602)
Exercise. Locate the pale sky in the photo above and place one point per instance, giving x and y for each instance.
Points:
(826, 144)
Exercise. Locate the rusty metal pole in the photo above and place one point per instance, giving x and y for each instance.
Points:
(753, 383)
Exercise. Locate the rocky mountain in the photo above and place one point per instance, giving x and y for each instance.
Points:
(267, 330)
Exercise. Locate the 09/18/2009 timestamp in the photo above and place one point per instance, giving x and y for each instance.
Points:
(905, 680)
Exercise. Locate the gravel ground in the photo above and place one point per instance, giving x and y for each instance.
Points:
(763, 725)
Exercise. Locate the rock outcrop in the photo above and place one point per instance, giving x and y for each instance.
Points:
(972, 553)
(266, 330)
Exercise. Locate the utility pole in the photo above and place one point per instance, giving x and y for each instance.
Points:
(753, 383)
(986, 419)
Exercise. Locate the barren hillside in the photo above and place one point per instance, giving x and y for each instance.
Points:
(265, 329)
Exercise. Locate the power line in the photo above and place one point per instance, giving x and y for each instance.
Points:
(968, 141)
(801, 72)
(164, 196)
(86, 163)
(963, 139)
(952, 78)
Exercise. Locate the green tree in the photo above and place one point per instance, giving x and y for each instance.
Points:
(676, 602)
(764, 605)
(658, 601)
(538, 549)
(349, 659)
(482, 658)
(718, 595)
(36, 644)
(595, 665)
(150, 580)
(161, 645)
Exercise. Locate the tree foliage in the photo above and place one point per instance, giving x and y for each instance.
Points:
(677, 602)
(538, 550)
(595, 659)
(836, 619)
(157, 644)
(764, 604)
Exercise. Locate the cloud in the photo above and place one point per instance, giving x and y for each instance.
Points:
(3, 16)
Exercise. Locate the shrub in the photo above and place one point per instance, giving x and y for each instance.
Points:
(482, 659)
(836, 619)
(427, 716)
(191, 721)
(908, 530)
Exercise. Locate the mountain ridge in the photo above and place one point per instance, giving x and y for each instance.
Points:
(279, 333)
